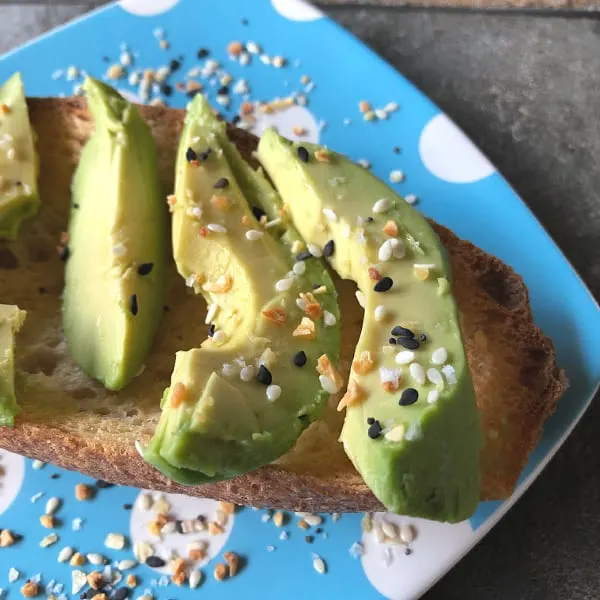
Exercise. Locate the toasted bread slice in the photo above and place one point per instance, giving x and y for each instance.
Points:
(71, 421)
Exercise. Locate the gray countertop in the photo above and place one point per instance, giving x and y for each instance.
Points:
(527, 90)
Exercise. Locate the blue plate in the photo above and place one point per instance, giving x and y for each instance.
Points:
(440, 168)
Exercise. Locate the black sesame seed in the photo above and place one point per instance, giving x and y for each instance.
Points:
(127, 506)
(202, 53)
(374, 430)
(42, 290)
(133, 305)
(309, 539)
(145, 268)
(101, 484)
(392, 341)
(302, 153)
(396, 150)
(258, 213)
(236, 119)
(211, 330)
(400, 331)
(264, 375)
(179, 526)
(166, 89)
(155, 561)
(174, 65)
(303, 418)
(64, 253)
(370, 421)
(299, 359)
(190, 155)
(408, 552)
(384, 284)
(221, 183)
(408, 396)
(422, 338)
(121, 594)
(223, 90)
(329, 249)
(304, 255)
(319, 530)
(369, 219)
(75, 205)
(244, 21)
(192, 93)
(55, 476)
(202, 156)
(408, 343)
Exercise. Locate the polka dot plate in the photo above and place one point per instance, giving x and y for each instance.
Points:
(315, 76)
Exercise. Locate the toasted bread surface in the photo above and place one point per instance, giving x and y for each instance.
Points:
(73, 422)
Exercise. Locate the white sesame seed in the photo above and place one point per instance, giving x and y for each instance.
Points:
(397, 176)
(273, 392)
(396, 434)
(240, 87)
(319, 565)
(247, 373)
(450, 373)
(115, 541)
(265, 59)
(389, 375)
(356, 550)
(414, 432)
(195, 578)
(253, 47)
(389, 529)
(145, 501)
(76, 524)
(378, 532)
(216, 228)
(330, 214)
(10, 154)
(211, 313)
(195, 212)
(134, 78)
(36, 497)
(283, 285)
(254, 234)
(125, 58)
(314, 250)
(432, 397)
(124, 565)
(360, 297)
(301, 304)
(219, 337)
(299, 267)
(329, 319)
(364, 163)
(382, 205)
(391, 107)
(405, 357)
(398, 248)
(385, 251)
(313, 520)
(227, 370)
(65, 554)
(439, 356)
(96, 559)
(142, 550)
(435, 376)
(52, 505)
(78, 581)
(411, 199)
(417, 372)
(388, 349)
(13, 575)
(273, 223)
(244, 59)
(380, 313)
(49, 540)
(278, 62)
(168, 528)
(328, 384)
(223, 99)
(119, 250)
(381, 114)
(407, 533)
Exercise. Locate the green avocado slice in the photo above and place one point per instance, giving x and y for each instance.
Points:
(412, 427)
(115, 275)
(18, 160)
(11, 320)
(239, 401)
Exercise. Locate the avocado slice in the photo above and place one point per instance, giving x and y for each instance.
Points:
(11, 320)
(18, 160)
(116, 269)
(412, 426)
(241, 399)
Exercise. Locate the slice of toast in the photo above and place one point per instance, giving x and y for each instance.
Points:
(71, 421)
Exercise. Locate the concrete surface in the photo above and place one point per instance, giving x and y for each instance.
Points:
(527, 91)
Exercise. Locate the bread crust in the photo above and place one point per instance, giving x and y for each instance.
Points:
(516, 378)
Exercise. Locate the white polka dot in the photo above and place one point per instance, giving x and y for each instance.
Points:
(130, 96)
(13, 468)
(182, 507)
(435, 549)
(285, 121)
(147, 8)
(297, 10)
(450, 155)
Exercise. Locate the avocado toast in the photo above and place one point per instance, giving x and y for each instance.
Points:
(73, 422)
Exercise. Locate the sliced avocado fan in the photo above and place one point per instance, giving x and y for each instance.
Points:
(18, 160)
(412, 427)
(11, 320)
(267, 367)
(115, 275)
